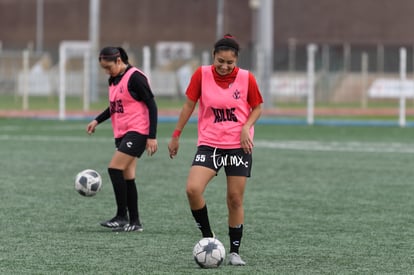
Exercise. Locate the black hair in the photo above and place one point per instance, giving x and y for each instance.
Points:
(226, 43)
(112, 54)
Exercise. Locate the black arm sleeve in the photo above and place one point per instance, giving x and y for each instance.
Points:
(140, 90)
(103, 116)
(153, 117)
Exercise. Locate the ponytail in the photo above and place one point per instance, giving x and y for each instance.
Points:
(124, 55)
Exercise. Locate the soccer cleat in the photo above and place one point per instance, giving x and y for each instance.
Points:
(213, 235)
(115, 222)
(235, 259)
(129, 228)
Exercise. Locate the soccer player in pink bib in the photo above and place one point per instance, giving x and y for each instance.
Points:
(133, 113)
(229, 105)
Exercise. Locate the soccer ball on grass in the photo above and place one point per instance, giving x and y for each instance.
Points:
(88, 182)
(209, 253)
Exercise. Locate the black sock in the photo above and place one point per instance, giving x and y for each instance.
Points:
(235, 234)
(120, 190)
(201, 218)
(132, 195)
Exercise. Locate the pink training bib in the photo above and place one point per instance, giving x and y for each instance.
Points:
(127, 114)
(223, 112)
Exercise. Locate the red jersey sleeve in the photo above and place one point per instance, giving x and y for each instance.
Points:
(254, 97)
(193, 91)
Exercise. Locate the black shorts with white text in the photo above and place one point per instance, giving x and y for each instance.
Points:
(235, 161)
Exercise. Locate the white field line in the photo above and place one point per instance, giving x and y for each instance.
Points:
(354, 146)
(325, 146)
(48, 128)
(40, 138)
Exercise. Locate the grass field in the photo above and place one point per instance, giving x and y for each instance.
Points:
(321, 200)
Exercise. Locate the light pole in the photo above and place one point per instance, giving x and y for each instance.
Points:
(254, 6)
(94, 13)
(219, 19)
(265, 50)
(39, 26)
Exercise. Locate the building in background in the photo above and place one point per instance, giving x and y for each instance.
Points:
(145, 22)
(343, 30)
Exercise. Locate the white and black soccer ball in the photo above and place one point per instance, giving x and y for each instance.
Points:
(88, 182)
(209, 253)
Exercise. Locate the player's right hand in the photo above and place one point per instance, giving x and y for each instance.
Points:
(90, 128)
(173, 147)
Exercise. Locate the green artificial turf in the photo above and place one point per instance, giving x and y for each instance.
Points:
(321, 200)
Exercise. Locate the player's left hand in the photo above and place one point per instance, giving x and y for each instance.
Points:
(245, 141)
(152, 146)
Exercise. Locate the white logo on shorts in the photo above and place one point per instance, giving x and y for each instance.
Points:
(226, 160)
(129, 144)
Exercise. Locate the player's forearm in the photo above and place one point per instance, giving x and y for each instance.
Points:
(103, 116)
(153, 117)
(254, 116)
(185, 115)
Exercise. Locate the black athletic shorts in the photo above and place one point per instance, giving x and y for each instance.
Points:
(132, 143)
(235, 161)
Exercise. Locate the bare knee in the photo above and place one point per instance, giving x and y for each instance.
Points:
(234, 201)
(192, 191)
(195, 197)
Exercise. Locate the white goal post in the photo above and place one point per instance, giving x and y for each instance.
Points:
(68, 49)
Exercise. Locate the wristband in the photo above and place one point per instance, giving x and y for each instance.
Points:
(176, 133)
